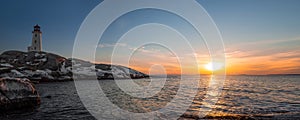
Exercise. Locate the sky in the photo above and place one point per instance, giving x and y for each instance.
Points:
(260, 36)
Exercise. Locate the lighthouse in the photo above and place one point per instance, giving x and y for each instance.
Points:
(36, 44)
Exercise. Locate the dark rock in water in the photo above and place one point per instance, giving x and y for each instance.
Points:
(17, 93)
(48, 96)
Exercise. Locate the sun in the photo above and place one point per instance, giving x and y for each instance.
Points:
(213, 66)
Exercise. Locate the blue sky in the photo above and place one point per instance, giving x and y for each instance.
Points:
(249, 27)
(59, 19)
(255, 20)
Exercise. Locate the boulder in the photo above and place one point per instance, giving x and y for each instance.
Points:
(17, 93)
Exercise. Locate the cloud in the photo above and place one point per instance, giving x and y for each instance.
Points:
(105, 45)
(275, 63)
(266, 42)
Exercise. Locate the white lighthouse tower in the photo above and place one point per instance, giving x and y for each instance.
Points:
(36, 44)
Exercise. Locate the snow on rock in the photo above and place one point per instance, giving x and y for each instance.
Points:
(104, 71)
(119, 72)
(6, 65)
(41, 60)
(64, 78)
(42, 66)
(17, 93)
(17, 74)
(39, 55)
(65, 69)
(88, 71)
(42, 74)
(28, 72)
(76, 65)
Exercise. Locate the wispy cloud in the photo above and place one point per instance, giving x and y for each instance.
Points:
(266, 42)
(105, 45)
(278, 63)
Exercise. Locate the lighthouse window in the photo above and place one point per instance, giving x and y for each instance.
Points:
(35, 41)
(34, 48)
(35, 35)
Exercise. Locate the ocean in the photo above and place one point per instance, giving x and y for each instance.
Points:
(241, 97)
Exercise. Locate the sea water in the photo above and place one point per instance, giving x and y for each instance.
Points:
(257, 97)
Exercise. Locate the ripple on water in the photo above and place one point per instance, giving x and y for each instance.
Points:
(243, 97)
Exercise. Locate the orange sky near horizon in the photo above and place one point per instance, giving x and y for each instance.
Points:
(237, 62)
(277, 63)
(259, 65)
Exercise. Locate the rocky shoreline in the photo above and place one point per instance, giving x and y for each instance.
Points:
(20, 70)
(47, 67)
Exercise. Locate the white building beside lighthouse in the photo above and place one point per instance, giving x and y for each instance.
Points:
(36, 44)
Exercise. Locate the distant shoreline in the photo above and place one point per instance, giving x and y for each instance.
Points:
(232, 75)
(266, 75)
